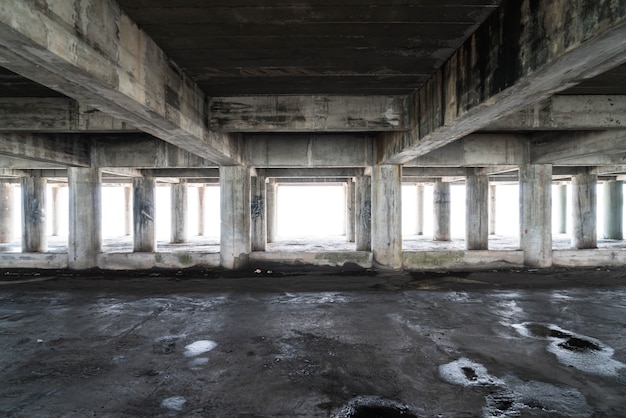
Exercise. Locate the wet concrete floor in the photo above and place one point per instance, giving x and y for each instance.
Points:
(313, 343)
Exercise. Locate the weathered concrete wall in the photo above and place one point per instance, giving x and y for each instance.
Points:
(177, 260)
(330, 259)
(34, 217)
(584, 229)
(445, 260)
(235, 216)
(387, 216)
(34, 260)
(535, 182)
(85, 212)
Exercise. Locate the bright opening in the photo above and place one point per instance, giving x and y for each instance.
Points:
(310, 210)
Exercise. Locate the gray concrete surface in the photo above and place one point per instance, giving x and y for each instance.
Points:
(530, 343)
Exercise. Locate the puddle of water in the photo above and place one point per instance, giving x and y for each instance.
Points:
(465, 372)
(175, 403)
(199, 347)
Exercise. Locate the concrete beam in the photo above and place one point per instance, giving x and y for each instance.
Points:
(309, 113)
(185, 173)
(66, 150)
(576, 146)
(312, 172)
(93, 52)
(567, 113)
(512, 61)
(296, 151)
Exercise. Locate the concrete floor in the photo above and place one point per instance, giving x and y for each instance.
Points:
(317, 343)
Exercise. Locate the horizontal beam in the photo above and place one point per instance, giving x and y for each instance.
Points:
(185, 173)
(511, 62)
(577, 146)
(311, 172)
(309, 114)
(65, 150)
(93, 52)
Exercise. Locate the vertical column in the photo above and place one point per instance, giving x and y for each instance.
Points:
(201, 209)
(144, 236)
(85, 212)
(128, 210)
(179, 212)
(584, 227)
(477, 212)
(613, 209)
(270, 210)
(34, 214)
(492, 209)
(363, 215)
(420, 210)
(387, 216)
(535, 214)
(350, 212)
(560, 201)
(257, 213)
(235, 214)
(441, 211)
(6, 211)
(56, 210)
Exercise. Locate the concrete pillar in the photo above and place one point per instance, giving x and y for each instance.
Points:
(201, 209)
(492, 209)
(584, 226)
(363, 214)
(387, 216)
(560, 203)
(350, 212)
(144, 235)
(535, 214)
(6, 212)
(441, 211)
(34, 232)
(477, 212)
(235, 213)
(56, 211)
(270, 210)
(257, 214)
(128, 210)
(613, 209)
(179, 212)
(420, 210)
(85, 212)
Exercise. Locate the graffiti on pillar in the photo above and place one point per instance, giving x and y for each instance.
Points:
(366, 213)
(257, 207)
(34, 211)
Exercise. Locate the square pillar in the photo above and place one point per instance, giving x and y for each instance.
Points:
(492, 209)
(441, 211)
(613, 209)
(258, 213)
(387, 216)
(34, 239)
(235, 216)
(179, 212)
(144, 237)
(85, 212)
(363, 213)
(536, 214)
(477, 212)
(7, 209)
(560, 203)
(56, 210)
(270, 209)
(420, 210)
(128, 210)
(350, 212)
(584, 225)
(201, 209)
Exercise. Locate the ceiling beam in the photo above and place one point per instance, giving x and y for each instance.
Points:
(577, 147)
(512, 61)
(93, 52)
(65, 150)
(311, 172)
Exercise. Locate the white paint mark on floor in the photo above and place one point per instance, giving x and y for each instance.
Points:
(199, 347)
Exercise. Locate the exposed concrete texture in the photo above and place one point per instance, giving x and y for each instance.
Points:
(34, 260)
(535, 181)
(492, 209)
(350, 259)
(144, 212)
(584, 234)
(34, 232)
(363, 213)
(560, 201)
(85, 211)
(613, 209)
(441, 211)
(179, 227)
(258, 213)
(160, 260)
(56, 149)
(270, 210)
(350, 191)
(445, 260)
(7, 209)
(477, 212)
(387, 216)
(235, 216)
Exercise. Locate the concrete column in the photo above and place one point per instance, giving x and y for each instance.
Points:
(270, 210)
(420, 210)
(363, 215)
(584, 225)
(201, 209)
(144, 235)
(6, 212)
(441, 211)
(492, 209)
(350, 212)
(535, 214)
(257, 213)
(179, 212)
(477, 212)
(85, 212)
(235, 213)
(613, 209)
(560, 203)
(56, 210)
(128, 210)
(34, 239)
(387, 216)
